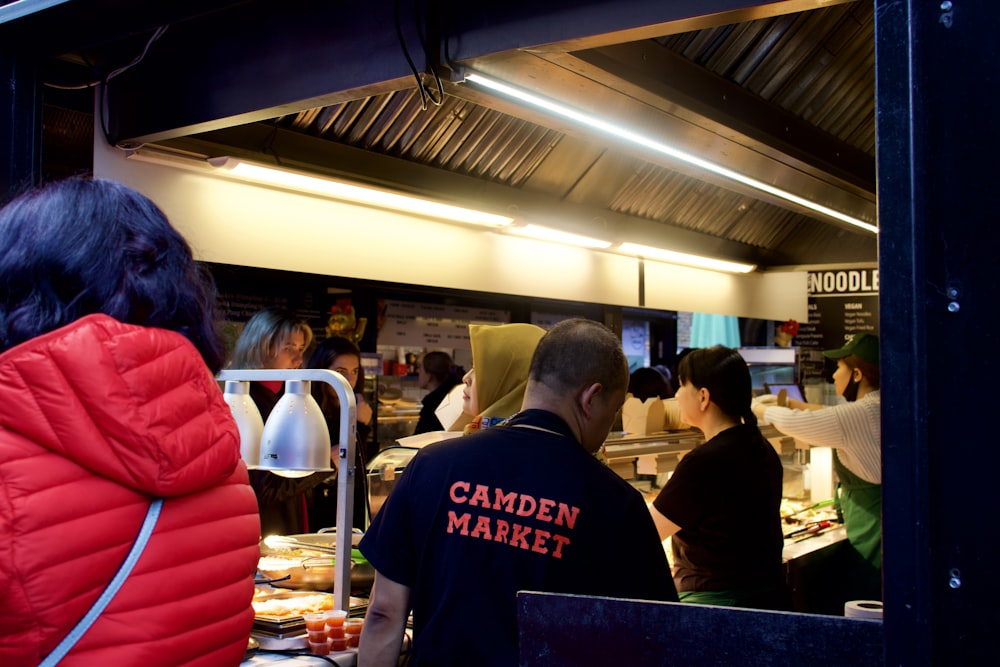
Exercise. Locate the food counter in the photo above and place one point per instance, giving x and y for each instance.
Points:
(281, 635)
(293, 602)
(811, 557)
(624, 451)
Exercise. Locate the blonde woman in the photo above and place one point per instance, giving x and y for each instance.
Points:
(275, 339)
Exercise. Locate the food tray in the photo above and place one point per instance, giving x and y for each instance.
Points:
(289, 616)
(298, 568)
(278, 629)
(290, 623)
(288, 633)
(273, 643)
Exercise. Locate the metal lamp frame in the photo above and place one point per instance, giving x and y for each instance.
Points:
(345, 462)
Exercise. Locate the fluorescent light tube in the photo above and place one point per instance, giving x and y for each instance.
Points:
(356, 193)
(660, 147)
(672, 257)
(557, 236)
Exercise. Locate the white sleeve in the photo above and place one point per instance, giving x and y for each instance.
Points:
(853, 428)
(817, 427)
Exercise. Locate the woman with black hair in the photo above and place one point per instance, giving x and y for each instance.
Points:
(339, 354)
(648, 382)
(437, 377)
(721, 506)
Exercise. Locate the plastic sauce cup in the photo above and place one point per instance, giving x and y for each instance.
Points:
(338, 643)
(315, 621)
(320, 648)
(353, 629)
(335, 618)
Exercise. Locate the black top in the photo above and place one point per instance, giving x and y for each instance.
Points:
(428, 420)
(475, 519)
(323, 498)
(726, 497)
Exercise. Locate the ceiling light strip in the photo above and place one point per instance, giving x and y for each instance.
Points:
(543, 233)
(301, 182)
(356, 193)
(672, 257)
(665, 149)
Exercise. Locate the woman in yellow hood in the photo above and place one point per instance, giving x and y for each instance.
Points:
(501, 357)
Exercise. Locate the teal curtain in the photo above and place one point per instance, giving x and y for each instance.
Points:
(708, 330)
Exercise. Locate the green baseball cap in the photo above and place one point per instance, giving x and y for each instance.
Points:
(863, 346)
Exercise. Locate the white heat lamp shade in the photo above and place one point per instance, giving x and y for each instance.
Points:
(248, 420)
(295, 441)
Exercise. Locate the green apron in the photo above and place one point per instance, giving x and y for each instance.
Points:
(861, 505)
(774, 598)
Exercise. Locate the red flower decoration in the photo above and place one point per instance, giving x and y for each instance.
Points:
(342, 306)
(791, 327)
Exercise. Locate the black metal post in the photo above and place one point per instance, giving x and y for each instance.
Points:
(937, 103)
(20, 125)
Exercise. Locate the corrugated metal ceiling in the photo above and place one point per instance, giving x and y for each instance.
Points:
(812, 71)
(817, 65)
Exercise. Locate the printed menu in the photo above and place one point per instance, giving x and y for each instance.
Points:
(842, 303)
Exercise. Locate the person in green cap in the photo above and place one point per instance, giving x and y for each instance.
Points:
(853, 429)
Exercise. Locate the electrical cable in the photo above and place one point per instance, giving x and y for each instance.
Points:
(116, 72)
(409, 60)
(425, 94)
(267, 146)
(428, 57)
(77, 86)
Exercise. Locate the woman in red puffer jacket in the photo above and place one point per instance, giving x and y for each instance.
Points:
(107, 401)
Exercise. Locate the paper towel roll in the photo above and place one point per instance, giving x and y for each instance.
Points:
(863, 609)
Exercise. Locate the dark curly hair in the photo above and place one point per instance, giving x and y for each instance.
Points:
(82, 246)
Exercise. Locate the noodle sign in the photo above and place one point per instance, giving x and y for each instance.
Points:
(841, 303)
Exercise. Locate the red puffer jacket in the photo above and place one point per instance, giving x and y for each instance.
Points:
(96, 419)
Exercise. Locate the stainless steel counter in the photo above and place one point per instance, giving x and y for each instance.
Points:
(623, 449)
(808, 545)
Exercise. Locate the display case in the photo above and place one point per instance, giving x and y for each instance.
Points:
(383, 471)
(397, 409)
(647, 460)
(627, 453)
(395, 422)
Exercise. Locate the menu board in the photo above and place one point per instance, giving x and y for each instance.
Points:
(841, 303)
(428, 325)
(243, 291)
